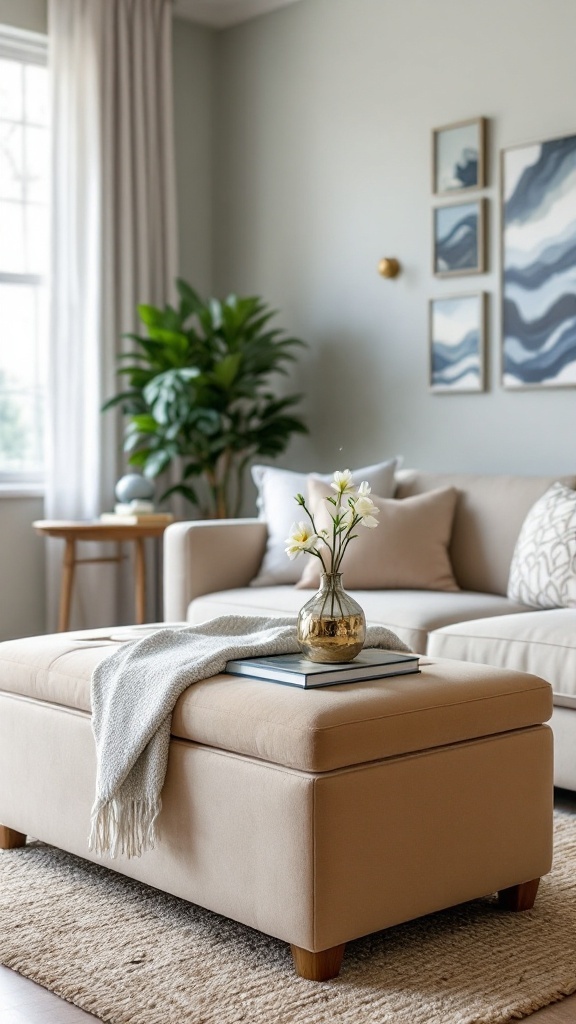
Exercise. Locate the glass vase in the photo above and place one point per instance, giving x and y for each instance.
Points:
(331, 625)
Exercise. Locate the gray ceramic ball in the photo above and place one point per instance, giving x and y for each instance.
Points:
(134, 486)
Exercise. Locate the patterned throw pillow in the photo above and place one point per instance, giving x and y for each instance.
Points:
(543, 570)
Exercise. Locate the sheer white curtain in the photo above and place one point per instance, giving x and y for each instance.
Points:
(114, 246)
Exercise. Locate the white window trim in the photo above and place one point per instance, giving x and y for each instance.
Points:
(30, 48)
(21, 490)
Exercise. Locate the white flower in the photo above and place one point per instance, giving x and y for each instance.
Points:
(369, 521)
(301, 538)
(347, 517)
(365, 508)
(343, 482)
(357, 509)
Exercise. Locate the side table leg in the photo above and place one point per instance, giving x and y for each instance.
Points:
(140, 580)
(322, 966)
(66, 585)
(519, 897)
(10, 839)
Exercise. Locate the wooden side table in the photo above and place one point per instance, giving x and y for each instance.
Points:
(71, 532)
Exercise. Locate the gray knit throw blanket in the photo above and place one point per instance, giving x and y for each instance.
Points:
(133, 695)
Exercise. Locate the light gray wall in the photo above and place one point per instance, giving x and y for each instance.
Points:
(22, 589)
(193, 129)
(324, 114)
(29, 14)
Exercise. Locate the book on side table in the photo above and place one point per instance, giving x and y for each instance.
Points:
(137, 518)
(295, 670)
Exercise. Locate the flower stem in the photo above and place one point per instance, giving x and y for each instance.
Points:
(311, 518)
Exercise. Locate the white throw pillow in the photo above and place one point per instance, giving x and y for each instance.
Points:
(277, 489)
(543, 570)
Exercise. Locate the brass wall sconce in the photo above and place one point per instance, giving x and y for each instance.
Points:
(389, 267)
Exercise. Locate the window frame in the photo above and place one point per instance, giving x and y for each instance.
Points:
(28, 48)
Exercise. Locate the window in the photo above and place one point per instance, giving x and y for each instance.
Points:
(24, 253)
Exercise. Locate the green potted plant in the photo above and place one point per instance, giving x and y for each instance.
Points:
(198, 396)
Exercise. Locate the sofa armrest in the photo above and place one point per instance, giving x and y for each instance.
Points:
(204, 556)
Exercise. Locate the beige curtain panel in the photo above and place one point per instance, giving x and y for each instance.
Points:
(113, 246)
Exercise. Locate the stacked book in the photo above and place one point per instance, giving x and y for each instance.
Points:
(295, 670)
(136, 513)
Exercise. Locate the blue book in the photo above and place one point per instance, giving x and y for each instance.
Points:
(296, 670)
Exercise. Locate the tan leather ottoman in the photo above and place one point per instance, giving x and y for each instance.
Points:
(315, 816)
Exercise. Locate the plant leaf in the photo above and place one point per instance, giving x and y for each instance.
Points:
(197, 388)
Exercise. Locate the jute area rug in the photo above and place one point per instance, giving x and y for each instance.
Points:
(131, 955)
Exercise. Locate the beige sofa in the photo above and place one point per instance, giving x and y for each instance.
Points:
(209, 566)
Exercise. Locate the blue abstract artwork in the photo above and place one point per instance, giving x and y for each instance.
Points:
(457, 343)
(459, 156)
(458, 239)
(539, 265)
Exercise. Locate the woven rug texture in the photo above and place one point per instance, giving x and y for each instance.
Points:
(132, 955)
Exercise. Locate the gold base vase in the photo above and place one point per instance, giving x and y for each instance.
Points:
(331, 625)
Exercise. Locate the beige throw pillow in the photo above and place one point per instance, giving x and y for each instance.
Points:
(408, 550)
(543, 569)
(277, 489)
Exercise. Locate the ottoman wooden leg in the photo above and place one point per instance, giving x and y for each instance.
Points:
(519, 897)
(10, 839)
(320, 966)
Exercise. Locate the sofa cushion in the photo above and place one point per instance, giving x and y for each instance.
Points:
(316, 730)
(277, 489)
(411, 614)
(542, 642)
(408, 549)
(489, 514)
(543, 570)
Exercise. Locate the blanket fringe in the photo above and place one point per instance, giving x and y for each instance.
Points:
(125, 828)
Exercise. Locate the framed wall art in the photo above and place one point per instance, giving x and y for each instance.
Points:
(457, 343)
(458, 238)
(459, 156)
(538, 183)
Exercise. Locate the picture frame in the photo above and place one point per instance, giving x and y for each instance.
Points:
(458, 238)
(459, 157)
(457, 343)
(538, 264)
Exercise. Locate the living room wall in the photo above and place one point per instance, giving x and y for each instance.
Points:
(302, 157)
(324, 114)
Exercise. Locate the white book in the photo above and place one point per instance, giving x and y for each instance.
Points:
(137, 518)
(296, 670)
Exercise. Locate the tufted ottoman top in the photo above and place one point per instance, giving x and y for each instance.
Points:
(311, 730)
